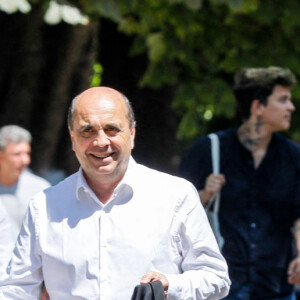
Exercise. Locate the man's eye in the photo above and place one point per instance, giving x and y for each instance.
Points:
(87, 132)
(283, 100)
(112, 131)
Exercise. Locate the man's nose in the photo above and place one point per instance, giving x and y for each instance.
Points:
(291, 106)
(101, 139)
(25, 159)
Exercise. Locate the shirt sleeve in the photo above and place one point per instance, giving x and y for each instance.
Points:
(294, 162)
(23, 276)
(205, 272)
(6, 238)
(196, 164)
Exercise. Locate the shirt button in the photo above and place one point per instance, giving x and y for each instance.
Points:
(253, 225)
(253, 246)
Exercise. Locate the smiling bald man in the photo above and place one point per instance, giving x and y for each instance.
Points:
(115, 223)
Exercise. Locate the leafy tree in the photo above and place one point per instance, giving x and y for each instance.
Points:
(175, 59)
(196, 46)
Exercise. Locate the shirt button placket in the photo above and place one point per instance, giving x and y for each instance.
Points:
(253, 249)
(103, 255)
(253, 233)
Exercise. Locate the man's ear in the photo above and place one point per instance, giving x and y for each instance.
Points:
(256, 107)
(132, 133)
(72, 137)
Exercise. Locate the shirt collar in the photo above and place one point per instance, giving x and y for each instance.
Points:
(128, 176)
(83, 190)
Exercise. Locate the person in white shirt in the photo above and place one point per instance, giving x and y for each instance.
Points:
(6, 242)
(17, 183)
(115, 223)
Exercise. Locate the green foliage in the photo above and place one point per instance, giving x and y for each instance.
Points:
(241, 6)
(156, 45)
(200, 102)
(196, 46)
(198, 50)
(97, 73)
(109, 9)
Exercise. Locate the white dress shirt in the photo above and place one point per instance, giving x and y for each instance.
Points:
(6, 241)
(83, 249)
(15, 198)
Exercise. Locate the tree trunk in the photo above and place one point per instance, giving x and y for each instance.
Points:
(72, 50)
(42, 68)
(21, 60)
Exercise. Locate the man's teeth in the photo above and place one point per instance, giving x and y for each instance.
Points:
(101, 155)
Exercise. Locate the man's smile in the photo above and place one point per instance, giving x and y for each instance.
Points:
(101, 155)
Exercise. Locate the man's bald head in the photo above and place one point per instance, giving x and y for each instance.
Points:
(98, 92)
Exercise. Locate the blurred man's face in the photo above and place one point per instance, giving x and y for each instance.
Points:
(14, 159)
(278, 111)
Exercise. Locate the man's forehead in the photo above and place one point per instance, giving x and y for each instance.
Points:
(86, 106)
(99, 97)
(97, 123)
(280, 89)
(87, 110)
(97, 119)
(11, 146)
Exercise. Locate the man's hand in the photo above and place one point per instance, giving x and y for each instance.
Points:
(294, 267)
(213, 184)
(294, 271)
(155, 276)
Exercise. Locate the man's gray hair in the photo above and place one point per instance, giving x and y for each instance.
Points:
(130, 112)
(13, 134)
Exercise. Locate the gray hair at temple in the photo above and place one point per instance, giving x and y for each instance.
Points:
(130, 112)
(13, 134)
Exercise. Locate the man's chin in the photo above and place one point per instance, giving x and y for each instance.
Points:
(283, 127)
(19, 172)
(105, 170)
(286, 127)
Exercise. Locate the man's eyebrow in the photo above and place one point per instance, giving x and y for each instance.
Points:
(284, 96)
(86, 126)
(113, 124)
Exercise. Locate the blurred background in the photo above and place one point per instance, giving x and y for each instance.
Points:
(174, 60)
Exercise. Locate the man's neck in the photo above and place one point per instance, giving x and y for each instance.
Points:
(6, 180)
(104, 190)
(255, 137)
